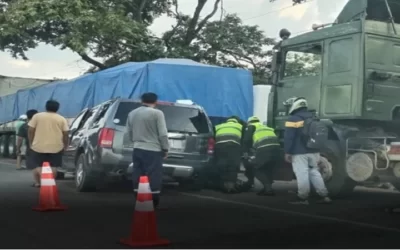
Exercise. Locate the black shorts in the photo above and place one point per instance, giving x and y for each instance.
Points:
(55, 159)
(29, 160)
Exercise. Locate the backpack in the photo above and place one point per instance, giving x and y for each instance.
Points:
(314, 133)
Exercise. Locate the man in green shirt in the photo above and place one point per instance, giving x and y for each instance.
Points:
(21, 120)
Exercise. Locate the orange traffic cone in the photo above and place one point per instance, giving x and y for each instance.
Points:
(48, 197)
(144, 227)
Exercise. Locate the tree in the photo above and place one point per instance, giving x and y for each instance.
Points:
(227, 42)
(118, 31)
(107, 28)
(302, 64)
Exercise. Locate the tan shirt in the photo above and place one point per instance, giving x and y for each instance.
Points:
(49, 128)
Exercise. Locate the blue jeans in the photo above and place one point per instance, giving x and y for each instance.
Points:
(148, 163)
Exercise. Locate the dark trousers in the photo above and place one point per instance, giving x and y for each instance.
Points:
(148, 163)
(249, 172)
(265, 162)
(228, 157)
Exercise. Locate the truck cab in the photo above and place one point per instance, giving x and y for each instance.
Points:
(349, 72)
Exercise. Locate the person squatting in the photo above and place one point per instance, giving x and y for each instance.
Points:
(258, 148)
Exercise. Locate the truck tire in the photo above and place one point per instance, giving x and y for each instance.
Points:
(4, 146)
(12, 147)
(84, 181)
(396, 184)
(339, 184)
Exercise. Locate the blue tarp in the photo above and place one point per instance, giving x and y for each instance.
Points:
(221, 91)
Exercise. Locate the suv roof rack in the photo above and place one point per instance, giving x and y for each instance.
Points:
(185, 101)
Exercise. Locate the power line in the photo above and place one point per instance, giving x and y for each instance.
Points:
(277, 10)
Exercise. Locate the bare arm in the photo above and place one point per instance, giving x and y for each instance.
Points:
(31, 130)
(31, 135)
(65, 140)
(162, 131)
(65, 128)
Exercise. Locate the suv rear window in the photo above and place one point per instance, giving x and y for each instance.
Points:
(178, 119)
(184, 119)
(124, 108)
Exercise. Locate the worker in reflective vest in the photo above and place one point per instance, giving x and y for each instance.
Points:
(228, 153)
(262, 150)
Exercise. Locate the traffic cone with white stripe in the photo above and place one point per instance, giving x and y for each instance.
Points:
(144, 226)
(48, 197)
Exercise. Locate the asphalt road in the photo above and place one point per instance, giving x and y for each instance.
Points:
(195, 220)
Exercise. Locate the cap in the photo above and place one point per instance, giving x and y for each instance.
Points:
(253, 119)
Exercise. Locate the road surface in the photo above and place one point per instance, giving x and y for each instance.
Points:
(205, 219)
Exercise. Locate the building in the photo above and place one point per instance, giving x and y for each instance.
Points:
(10, 85)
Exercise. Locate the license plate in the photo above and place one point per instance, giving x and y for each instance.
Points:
(176, 145)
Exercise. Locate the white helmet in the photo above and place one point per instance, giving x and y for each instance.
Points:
(296, 103)
(23, 117)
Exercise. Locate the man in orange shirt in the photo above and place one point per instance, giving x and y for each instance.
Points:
(48, 138)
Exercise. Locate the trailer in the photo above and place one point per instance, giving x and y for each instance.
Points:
(222, 92)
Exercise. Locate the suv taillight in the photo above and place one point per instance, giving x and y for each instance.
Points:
(210, 145)
(106, 137)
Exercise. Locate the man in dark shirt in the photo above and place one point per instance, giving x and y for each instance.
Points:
(22, 135)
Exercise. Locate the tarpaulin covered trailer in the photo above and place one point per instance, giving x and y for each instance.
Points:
(221, 91)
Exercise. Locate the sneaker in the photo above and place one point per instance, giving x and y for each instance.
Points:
(299, 201)
(325, 200)
(246, 187)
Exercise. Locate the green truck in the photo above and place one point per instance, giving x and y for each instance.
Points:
(350, 74)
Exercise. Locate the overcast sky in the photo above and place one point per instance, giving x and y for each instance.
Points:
(48, 62)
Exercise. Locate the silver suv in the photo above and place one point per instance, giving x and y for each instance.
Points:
(100, 150)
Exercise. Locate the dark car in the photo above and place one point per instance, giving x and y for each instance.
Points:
(100, 149)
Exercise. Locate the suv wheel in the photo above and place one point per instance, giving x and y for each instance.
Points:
(196, 184)
(60, 175)
(84, 182)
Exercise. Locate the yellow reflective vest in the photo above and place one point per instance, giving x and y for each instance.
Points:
(230, 131)
(264, 136)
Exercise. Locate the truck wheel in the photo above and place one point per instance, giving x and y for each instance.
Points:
(84, 182)
(4, 146)
(333, 170)
(12, 147)
(396, 184)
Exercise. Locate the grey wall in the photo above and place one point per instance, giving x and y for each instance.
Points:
(10, 85)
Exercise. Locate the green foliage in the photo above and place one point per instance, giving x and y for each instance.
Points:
(302, 64)
(118, 31)
(226, 42)
(106, 28)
